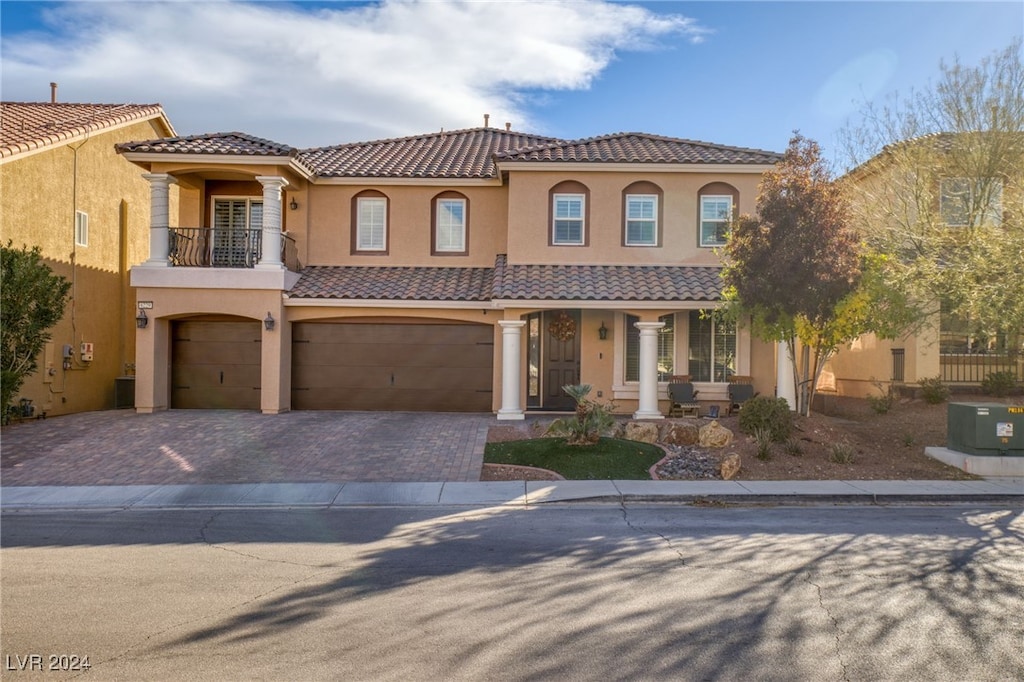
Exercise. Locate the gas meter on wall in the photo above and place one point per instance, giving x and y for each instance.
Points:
(86, 352)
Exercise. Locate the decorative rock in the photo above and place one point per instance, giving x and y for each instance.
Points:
(687, 463)
(714, 435)
(675, 433)
(729, 467)
(644, 432)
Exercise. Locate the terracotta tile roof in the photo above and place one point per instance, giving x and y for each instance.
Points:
(455, 154)
(394, 283)
(640, 148)
(25, 126)
(238, 144)
(606, 282)
(513, 282)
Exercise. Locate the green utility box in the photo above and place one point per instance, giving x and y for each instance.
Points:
(986, 429)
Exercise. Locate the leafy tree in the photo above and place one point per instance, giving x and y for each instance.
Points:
(32, 300)
(937, 182)
(795, 268)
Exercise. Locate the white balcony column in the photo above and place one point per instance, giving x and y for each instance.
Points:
(648, 407)
(159, 219)
(511, 335)
(272, 186)
(784, 387)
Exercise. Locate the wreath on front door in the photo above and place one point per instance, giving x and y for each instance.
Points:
(563, 327)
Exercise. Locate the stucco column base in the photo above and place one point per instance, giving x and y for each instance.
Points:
(511, 414)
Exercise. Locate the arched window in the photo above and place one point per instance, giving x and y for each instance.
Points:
(641, 214)
(370, 222)
(717, 202)
(568, 214)
(449, 224)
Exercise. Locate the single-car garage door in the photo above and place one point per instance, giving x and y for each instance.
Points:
(392, 366)
(215, 365)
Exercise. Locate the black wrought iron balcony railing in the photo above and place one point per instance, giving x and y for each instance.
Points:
(206, 247)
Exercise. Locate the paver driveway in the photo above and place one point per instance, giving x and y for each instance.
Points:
(119, 447)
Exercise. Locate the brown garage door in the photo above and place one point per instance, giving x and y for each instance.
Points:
(215, 365)
(392, 366)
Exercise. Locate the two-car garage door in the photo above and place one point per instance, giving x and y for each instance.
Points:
(411, 366)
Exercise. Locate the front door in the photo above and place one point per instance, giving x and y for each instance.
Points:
(561, 357)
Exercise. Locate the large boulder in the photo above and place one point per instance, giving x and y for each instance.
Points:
(714, 435)
(645, 432)
(677, 433)
(729, 466)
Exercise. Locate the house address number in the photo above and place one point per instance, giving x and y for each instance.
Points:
(145, 305)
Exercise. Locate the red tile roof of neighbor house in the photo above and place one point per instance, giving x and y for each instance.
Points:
(27, 126)
(516, 282)
(469, 153)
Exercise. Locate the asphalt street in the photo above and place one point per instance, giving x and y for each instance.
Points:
(575, 592)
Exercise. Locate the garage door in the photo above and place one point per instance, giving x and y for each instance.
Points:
(393, 366)
(215, 365)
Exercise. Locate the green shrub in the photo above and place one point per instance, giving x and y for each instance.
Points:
(999, 383)
(933, 390)
(591, 421)
(763, 438)
(841, 453)
(762, 412)
(881, 403)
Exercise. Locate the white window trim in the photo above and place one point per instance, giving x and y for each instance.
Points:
(701, 220)
(359, 224)
(81, 228)
(437, 226)
(653, 198)
(582, 219)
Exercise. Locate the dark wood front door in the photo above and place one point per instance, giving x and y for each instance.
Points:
(561, 362)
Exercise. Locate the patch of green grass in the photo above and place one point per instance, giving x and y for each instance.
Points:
(609, 458)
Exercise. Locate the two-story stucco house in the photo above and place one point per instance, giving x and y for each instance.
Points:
(466, 270)
(935, 192)
(64, 189)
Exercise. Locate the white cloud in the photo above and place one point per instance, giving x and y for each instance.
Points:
(317, 77)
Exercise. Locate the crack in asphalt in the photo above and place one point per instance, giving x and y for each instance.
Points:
(641, 529)
(835, 624)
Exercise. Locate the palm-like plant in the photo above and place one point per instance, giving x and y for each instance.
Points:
(591, 421)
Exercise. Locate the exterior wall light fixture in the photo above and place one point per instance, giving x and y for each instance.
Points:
(602, 331)
(293, 205)
(141, 321)
(268, 322)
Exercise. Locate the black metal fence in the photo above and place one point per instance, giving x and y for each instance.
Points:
(206, 247)
(973, 368)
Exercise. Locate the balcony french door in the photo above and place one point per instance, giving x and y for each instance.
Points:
(237, 227)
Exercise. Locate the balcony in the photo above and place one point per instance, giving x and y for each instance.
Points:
(205, 247)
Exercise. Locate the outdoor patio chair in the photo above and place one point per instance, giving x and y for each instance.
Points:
(682, 398)
(741, 389)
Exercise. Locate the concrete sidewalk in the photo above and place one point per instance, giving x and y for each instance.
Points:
(504, 493)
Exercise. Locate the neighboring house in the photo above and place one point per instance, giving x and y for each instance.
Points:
(470, 270)
(921, 185)
(64, 188)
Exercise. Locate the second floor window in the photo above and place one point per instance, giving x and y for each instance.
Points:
(567, 223)
(641, 220)
(715, 214)
(81, 228)
(964, 202)
(450, 226)
(371, 224)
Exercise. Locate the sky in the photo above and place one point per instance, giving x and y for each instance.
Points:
(313, 74)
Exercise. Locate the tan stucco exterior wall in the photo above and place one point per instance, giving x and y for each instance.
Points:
(39, 195)
(529, 222)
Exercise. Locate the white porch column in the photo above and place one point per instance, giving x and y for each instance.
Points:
(648, 407)
(784, 387)
(511, 333)
(159, 219)
(272, 186)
